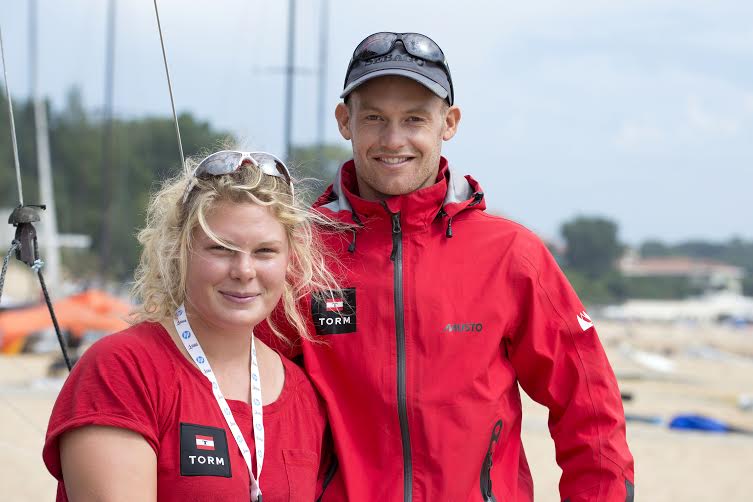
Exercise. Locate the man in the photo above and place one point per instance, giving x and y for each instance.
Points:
(445, 309)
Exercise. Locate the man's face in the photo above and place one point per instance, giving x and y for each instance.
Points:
(396, 127)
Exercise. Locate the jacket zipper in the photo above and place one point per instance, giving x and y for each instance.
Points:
(486, 467)
(402, 405)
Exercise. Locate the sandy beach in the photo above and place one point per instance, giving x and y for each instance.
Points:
(666, 369)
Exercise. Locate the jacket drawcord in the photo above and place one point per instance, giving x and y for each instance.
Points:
(352, 247)
(443, 214)
(357, 221)
(477, 196)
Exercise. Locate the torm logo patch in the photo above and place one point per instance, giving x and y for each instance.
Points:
(334, 312)
(203, 451)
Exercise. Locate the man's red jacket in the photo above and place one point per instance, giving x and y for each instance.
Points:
(445, 309)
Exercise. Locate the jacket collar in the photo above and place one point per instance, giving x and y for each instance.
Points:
(450, 195)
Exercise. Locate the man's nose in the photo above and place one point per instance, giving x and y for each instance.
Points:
(393, 136)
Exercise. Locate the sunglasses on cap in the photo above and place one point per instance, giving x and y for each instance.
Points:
(416, 44)
(229, 161)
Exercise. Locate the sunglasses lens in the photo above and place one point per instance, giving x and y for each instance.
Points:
(272, 166)
(219, 163)
(423, 47)
(375, 45)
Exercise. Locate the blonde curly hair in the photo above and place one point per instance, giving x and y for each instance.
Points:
(166, 240)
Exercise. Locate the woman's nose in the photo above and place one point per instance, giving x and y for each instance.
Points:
(244, 267)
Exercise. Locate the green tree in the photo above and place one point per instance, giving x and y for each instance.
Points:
(315, 166)
(592, 247)
(654, 248)
(735, 251)
(748, 286)
(145, 152)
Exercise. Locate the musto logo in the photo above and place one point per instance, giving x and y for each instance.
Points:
(468, 327)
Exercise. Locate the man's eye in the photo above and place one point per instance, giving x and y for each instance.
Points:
(373, 117)
(415, 119)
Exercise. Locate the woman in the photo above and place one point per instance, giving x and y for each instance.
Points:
(165, 409)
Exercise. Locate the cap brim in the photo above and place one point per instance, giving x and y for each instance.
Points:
(425, 81)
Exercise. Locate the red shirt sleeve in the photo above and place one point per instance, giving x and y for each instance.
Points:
(561, 364)
(109, 386)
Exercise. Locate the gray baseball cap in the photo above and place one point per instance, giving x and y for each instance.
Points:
(435, 76)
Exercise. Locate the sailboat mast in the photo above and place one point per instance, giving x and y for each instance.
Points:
(49, 228)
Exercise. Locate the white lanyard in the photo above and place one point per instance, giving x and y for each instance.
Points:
(193, 347)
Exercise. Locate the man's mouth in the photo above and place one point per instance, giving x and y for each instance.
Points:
(392, 160)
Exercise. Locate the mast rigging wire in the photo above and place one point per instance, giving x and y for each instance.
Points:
(13, 247)
(23, 223)
(12, 123)
(170, 87)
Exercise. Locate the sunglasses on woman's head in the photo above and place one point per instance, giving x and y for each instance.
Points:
(229, 161)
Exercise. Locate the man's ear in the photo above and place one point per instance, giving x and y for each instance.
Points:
(342, 115)
(451, 121)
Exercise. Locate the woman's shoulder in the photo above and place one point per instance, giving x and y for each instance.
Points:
(145, 341)
(141, 336)
(294, 374)
(118, 382)
(300, 385)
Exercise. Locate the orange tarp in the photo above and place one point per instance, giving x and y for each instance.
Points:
(88, 311)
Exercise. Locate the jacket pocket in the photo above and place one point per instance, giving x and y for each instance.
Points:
(486, 468)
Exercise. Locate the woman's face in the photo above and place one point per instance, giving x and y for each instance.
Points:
(229, 290)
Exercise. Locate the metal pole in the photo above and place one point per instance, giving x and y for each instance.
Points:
(49, 229)
(323, 66)
(108, 204)
(289, 72)
(32, 46)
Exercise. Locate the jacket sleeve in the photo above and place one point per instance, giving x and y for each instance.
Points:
(561, 364)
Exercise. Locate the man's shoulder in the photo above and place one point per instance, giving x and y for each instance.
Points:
(501, 226)
(495, 235)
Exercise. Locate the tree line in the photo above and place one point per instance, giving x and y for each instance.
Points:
(593, 249)
(141, 152)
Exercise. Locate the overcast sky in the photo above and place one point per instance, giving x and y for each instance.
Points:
(638, 110)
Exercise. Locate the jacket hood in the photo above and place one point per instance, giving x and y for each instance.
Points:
(450, 195)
